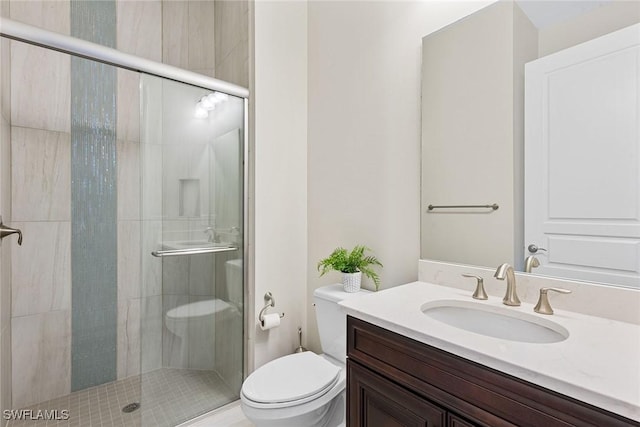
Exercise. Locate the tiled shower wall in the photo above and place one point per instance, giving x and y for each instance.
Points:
(5, 211)
(39, 135)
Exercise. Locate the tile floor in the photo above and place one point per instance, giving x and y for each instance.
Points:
(168, 397)
(228, 416)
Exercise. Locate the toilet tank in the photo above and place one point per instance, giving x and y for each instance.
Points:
(332, 321)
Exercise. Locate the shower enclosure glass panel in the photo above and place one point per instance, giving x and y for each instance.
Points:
(108, 166)
(192, 233)
(75, 281)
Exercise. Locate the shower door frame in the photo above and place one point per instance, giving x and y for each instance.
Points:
(81, 48)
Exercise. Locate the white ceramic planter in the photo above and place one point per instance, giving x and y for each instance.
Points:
(351, 281)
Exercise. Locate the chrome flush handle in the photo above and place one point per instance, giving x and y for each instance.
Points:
(543, 306)
(6, 231)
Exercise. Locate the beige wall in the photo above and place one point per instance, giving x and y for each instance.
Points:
(280, 163)
(364, 133)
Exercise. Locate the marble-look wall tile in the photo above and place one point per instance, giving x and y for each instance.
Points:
(128, 164)
(175, 35)
(129, 277)
(174, 353)
(234, 68)
(128, 107)
(180, 162)
(41, 179)
(6, 249)
(152, 180)
(151, 325)
(5, 368)
(128, 358)
(151, 266)
(175, 275)
(41, 269)
(201, 338)
(211, 72)
(228, 348)
(140, 28)
(40, 88)
(5, 169)
(151, 105)
(47, 14)
(202, 275)
(4, 9)
(201, 34)
(231, 26)
(5, 78)
(41, 346)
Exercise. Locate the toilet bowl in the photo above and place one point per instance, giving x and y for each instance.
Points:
(305, 389)
(295, 390)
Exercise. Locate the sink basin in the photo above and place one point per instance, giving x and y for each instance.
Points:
(495, 322)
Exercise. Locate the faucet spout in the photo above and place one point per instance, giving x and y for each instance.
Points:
(505, 271)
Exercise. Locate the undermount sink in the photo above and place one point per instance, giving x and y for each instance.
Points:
(497, 322)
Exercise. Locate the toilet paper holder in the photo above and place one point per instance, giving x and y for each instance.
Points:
(269, 301)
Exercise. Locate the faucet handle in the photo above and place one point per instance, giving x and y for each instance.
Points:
(479, 293)
(543, 306)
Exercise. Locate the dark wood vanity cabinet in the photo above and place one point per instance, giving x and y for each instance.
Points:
(394, 381)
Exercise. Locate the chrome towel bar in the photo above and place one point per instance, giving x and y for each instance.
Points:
(193, 251)
(493, 206)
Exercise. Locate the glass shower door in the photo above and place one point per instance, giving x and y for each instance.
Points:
(192, 235)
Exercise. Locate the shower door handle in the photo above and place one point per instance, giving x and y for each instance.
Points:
(6, 231)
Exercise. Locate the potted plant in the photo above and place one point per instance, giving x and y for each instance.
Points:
(352, 265)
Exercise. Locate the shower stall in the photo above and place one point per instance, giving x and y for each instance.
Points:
(124, 305)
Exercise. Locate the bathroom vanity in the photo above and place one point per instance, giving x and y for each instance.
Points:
(405, 369)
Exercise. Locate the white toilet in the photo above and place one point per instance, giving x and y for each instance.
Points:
(305, 389)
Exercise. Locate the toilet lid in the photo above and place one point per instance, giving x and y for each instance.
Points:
(197, 309)
(291, 378)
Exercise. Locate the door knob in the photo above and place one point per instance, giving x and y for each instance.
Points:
(534, 248)
(6, 231)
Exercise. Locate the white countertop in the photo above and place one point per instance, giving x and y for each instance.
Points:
(599, 363)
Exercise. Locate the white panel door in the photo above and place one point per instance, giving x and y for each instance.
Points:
(582, 162)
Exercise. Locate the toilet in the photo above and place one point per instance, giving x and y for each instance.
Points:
(305, 389)
(193, 323)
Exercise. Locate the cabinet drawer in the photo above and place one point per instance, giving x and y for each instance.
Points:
(478, 393)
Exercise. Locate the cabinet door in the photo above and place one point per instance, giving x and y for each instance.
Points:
(374, 401)
(455, 421)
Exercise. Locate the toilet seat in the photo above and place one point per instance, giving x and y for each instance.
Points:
(290, 380)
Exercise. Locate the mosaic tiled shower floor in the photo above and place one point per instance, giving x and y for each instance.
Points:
(169, 397)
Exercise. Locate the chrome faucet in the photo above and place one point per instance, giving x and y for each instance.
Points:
(530, 263)
(510, 297)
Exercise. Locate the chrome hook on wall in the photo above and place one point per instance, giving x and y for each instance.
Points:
(6, 231)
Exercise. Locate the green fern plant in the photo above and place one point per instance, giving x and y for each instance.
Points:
(351, 262)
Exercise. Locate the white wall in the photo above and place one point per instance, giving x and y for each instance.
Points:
(280, 103)
(364, 132)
